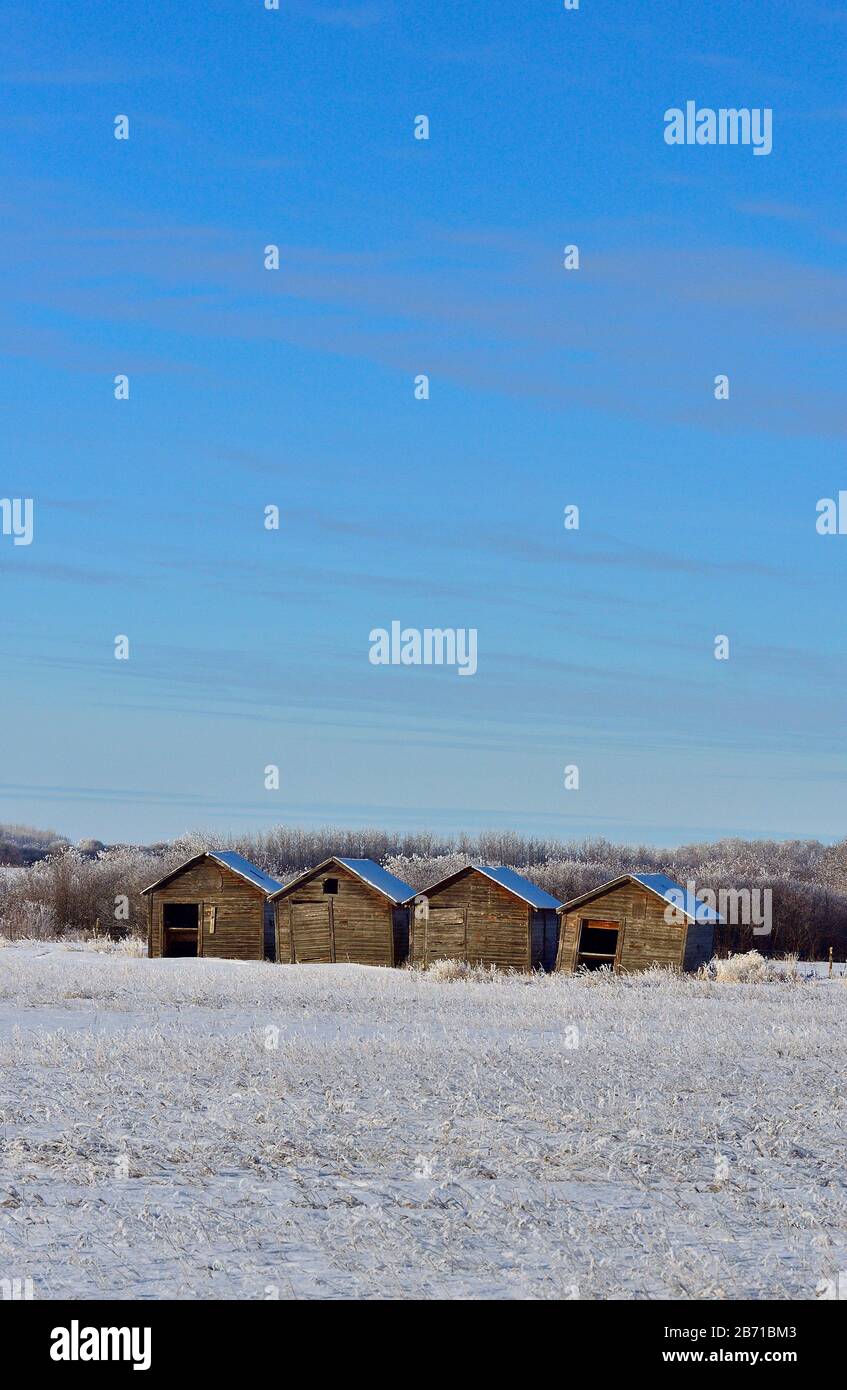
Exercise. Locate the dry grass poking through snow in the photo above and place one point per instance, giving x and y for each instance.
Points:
(752, 968)
(221, 1129)
(77, 941)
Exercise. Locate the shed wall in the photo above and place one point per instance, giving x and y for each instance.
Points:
(545, 937)
(238, 918)
(699, 945)
(646, 939)
(495, 926)
(355, 924)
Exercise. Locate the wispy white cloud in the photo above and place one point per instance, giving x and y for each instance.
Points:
(350, 16)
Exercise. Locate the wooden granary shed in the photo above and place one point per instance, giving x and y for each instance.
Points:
(215, 904)
(488, 916)
(636, 921)
(343, 910)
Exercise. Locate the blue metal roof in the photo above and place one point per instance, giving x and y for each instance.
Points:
(242, 866)
(379, 878)
(520, 886)
(681, 898)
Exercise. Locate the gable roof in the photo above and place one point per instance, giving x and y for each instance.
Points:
(242, 866)
(367, 870)
(230, 860)
(509, 879)
(520, 886)
(664, 887)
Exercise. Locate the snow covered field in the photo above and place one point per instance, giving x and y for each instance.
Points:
(224, 1129)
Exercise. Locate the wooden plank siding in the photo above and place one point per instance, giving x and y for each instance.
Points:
(644, 937)
(472, 918)
(357, 924)
(230, 911)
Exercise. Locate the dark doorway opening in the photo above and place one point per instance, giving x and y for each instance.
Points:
(180, 922)
(549, 940)
(598, 945)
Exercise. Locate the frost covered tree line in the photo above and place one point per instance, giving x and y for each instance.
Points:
(50, 887)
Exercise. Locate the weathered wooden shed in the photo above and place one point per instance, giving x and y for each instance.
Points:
(215, 904)
(636, 921)
(343, 910)
(489, 916)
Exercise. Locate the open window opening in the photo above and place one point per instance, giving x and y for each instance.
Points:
(598, 945)
(180, 922)
(330, 885)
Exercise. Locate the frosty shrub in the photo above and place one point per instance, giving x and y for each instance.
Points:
(21, 919)
(70, 891)
(598, 976)
(23, 844)
(441, 970)
(421, 870)
(134, 947)
(750, 968)
(567, 878)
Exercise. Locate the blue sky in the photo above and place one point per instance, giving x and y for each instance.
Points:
(295, 388)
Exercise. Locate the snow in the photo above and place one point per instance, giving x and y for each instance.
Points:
(222, 1129)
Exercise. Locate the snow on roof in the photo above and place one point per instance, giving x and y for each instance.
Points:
(242, 866)
(520, 886)
(379, 878)
(674, 892)
(367, 870)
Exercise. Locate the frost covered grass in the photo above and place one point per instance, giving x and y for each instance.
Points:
(450, 969)
(227, 1129)
(81, 941)
(751, 968)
